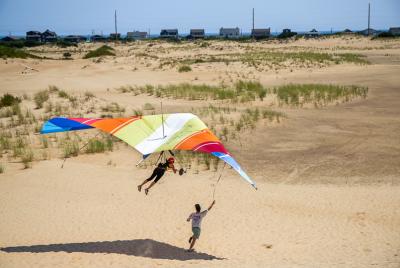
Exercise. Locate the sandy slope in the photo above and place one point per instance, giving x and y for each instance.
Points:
(53, 217)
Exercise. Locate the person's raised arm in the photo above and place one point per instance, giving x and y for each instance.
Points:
(212, 204)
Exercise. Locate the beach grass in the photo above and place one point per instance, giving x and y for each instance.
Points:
(101, 51)
(319, 94)
(184, 68)
(40, 98)
(12, 52)
(273, 57)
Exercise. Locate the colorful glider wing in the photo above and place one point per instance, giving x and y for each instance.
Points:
(154, 133)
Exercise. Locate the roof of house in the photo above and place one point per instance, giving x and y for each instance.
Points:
(267, 30)
(33, 33)
(9, 38)
(48, 32)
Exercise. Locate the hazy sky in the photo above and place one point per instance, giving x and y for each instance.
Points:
(83, 16)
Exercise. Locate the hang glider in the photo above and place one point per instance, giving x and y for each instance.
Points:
(154, 133)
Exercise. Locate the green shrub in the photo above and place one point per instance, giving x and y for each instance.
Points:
(2, 169)
(71, 148)
(64, 44)
(63, 94)
(67, 55)
(184, 68)
(148, 106)
(40, 98)
(99, 146)
(101, 51)
(8, 100)
(10, 52)
(27, 158)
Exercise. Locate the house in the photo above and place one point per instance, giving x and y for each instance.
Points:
(136, 35)
(394, 30)
(97, 38)
(9, 39)
(115, 36)
(197, 33)
(75, 38)
(286, 33)
(49, 36)
(312, 33)
(368, 31)
(169, 33)
(261, 33)
(347, 31)
(35, 36)
(229, 32)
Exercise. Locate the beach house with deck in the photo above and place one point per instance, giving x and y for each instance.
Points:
(75, 38)
(35, 36)
(395, 31)
(261, 33)
(49, 36)
(197, 33)
(98, 38)
(229, 32)
(312, 33)
(169, 33)
(136, 35)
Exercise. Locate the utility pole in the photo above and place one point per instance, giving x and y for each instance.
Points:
(369, 18)
(252, 32)
(115, 23)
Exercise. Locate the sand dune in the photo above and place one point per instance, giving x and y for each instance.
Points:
(328, 177)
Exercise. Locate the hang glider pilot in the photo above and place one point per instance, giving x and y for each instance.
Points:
(157, 174)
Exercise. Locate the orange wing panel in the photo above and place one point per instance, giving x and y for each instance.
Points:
(195, 139)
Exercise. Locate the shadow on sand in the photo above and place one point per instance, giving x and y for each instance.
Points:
(138, 247)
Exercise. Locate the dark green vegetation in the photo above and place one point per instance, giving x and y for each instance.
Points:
(101, 51)
(12, 52)
(8, 100)
(184, 68)
(20, 43)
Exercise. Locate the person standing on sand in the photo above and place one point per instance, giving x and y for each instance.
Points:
(196, 218)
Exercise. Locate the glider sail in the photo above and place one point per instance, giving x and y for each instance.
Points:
(154, 133)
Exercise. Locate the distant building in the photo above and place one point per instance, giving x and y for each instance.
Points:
(261, 33)
(286, 33)
(75, 38)
(98, 38)
(368, 31)
(35, 36)
(312, 33)
(49, 36)
(136, 35)
(394, 30)
(9, 39)
(347, 31)
(197, 33)
(169, 33)
(115, 36)
(229, 32)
